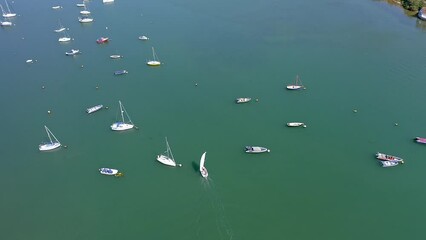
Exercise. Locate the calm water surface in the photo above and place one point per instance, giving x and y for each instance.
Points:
(321, 182)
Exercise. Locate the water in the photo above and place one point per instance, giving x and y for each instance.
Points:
(321, 182)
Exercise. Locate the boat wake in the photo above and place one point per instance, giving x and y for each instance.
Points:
(222, 224)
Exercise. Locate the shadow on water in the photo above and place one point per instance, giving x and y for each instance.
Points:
(195, 166)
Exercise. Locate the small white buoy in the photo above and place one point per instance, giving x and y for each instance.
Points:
(355, 111)
(257, 99)
(106, 27)
(42, 87)
(304, 125)
(180, 165)
(82, 66)
(106, 107)
(48, 112)
(396, 124)
(65, 146)
(196, 84)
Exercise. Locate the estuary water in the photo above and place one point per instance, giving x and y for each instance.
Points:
(318, 182)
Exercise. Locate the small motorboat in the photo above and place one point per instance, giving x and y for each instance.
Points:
(389, 163)
(116, 56)
(102, 40)
(95, 108)
(143, 38)
(243, 100)
(386, 157)
(85, 19)
(107, 1)
(296, 124)
(120, 72)
(56, 7)
(72, 52)
(420, 140)
(81, 5)
(108, 171)
(29, 61)
(255, 149)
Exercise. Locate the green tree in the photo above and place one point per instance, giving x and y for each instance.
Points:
(412, 5)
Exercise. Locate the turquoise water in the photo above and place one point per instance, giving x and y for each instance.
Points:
(321, 182)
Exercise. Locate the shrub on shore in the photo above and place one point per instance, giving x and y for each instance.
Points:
(412, 5)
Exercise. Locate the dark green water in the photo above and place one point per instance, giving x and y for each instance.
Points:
(321, 182)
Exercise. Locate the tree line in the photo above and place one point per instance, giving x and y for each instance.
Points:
(412, 5)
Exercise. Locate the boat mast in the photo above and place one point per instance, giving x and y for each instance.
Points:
(48, 134)
(7, 5)
(121, 111)
(169, 151)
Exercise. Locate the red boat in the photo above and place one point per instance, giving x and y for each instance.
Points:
(420, 140)
(102, 40)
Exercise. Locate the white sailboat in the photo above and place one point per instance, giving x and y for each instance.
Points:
(167, 158)
(107, 1)
(155, 61)
(85, 11)
(296, 85)
(61, 28)
(8, 13)
(65, 38)
(51, 144)
(203, 169)
(122, 125)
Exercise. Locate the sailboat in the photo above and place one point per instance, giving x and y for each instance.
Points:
(155, 61)
(85, 11)
(122, 125)
(203, 170)
(8, 13)
(65, 38)
(51, 144)
(61, 28)
(167, 158)
(297, 84)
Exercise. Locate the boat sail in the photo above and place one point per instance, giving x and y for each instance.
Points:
(51, 144)
(155, 61)
(167, 158)
(203, 169)
(122, 125)
(7, 13)
(297, 84)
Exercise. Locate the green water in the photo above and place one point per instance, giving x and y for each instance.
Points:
(321, 182)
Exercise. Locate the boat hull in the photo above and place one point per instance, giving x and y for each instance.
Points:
(420, 140)
(295, 124)
(294, 87)
(204, 172)
(386, 157)
(166, 160)
(6, 24)
(255, 149)
(153, 63)
(389, 163)
(115, 56)
(120, 72)
(108, 171)
(243, 100)
(49, 146)
(120, 126)
(94, 109)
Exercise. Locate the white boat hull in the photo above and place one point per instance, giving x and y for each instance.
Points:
(120, 126)
(295, 124)
(49, 146)
(108, 171)
(153, 63)
(107, 1)
(6, 24)
(166, 160)
(115, 56)
(204, 172)
(85, 20)
(243, 100)
(94, 109)
(293, 87)
(64, 39)
(255, 149)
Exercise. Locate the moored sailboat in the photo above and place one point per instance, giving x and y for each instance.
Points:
(203, 169)
(155, 61)
(51, 144)
(167, 157)
(122, 125)
(296, 85)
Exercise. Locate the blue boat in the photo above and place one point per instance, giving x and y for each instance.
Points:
(120, 72)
